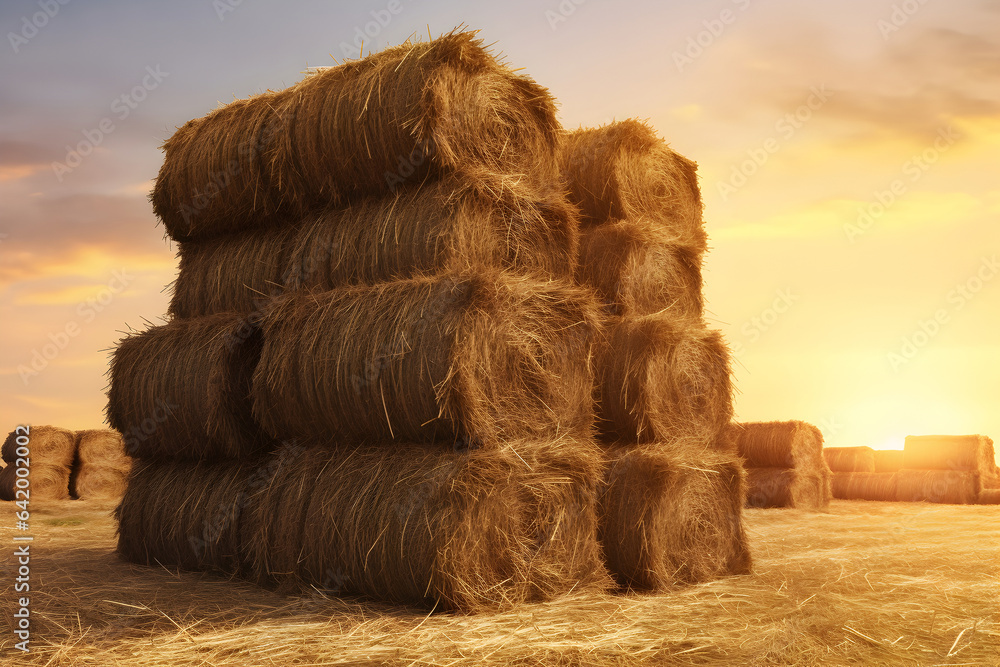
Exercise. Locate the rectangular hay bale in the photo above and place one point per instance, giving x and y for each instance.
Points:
(478, 359)
(955, 487)
(780, 444)
(850, 459)
(663, 379)
(672, 514)
(881, 486)
(183, 389)
(787, 487)
(404, 115)
(447, 225)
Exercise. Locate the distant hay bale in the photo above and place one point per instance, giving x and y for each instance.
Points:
(850, 459)
(865, 486)
(662, 379)
(185, 514)
(48, 444)
(447, 225)
(949, 452)
(787, 444)
(623, 171)
(183, 389)
(46, 481)
(989, 497)
(407, 114)
(479, 358)
(888, 460)
(638, 268)
(672, 515)
(957, 487)
(102, 466)
(800, 488)
(50, 457)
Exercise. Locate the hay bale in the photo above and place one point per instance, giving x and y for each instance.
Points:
(949, 452)
(481, 357)
(407, 114)
(957, 487)
(623, 171)
(800, 488)
(888, 460)
(47, 444)
(185, 514)
(787, 444)
(46, 481)
(562, 480)
(850, 459)
(460, 530)
(235, 272)
(672, 515)
(989, 497)
(447, 225)
(638, 268)
(183, 389)
(662, 379)
(865, 486)
(102, 466)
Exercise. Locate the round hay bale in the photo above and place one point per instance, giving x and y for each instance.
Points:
(850, 459)
(880, 486)
(672, 515)
(48, 444)
(185, 514)
(663, 379)
(949, 452)
(183, 389)
(989, 497)
(93, 482)
(637, 268)
(481, 357)
(407, 114)
(102, 447)
(956, 487)
(888, 460)
(46, 481)
(781, 444)
(800, 488)
(623, 171)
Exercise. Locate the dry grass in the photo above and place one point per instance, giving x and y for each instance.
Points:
(865, 583)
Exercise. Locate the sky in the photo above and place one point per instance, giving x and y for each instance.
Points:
(847, 157)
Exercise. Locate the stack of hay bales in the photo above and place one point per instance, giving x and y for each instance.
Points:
(84, 465)
(861, 473)
(101, 466)
(785, 464)
(671, 505)
(51, 453)
(377, 374)
(947, 469)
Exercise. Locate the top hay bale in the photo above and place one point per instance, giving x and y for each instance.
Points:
(623, 171)
(47, 444)
(789, 444)
(850, 459)
(949, 452)
(406, 114)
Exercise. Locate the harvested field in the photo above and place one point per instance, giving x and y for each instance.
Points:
(864, 583)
